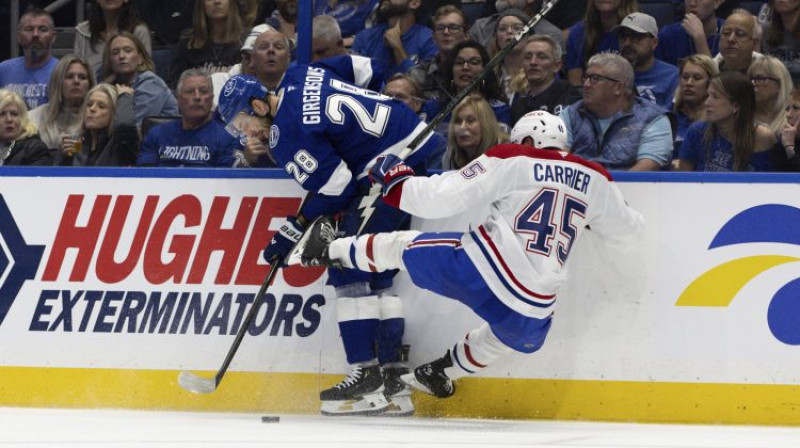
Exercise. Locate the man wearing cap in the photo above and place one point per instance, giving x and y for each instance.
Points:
(638, 37)
(483, 29)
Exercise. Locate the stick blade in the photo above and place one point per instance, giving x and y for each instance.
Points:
(196, 384)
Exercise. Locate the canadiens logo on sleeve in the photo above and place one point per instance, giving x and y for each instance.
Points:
(274, 135)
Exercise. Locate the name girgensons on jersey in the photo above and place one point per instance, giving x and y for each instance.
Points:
(311, 95)
(167, 265)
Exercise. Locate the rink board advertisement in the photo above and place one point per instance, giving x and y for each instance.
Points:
(113, 281)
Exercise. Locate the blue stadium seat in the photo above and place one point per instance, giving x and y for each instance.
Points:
(473, 11)
(662, 11)
(162, 58)
(752, 6)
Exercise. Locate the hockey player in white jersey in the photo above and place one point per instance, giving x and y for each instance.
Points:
(510, 268)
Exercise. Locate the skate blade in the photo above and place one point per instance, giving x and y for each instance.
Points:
(411, 380)
(366, 405)
(400, 406)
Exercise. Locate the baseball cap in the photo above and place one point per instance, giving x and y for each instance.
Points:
(250, 40)
(639, 22)
(237, 96)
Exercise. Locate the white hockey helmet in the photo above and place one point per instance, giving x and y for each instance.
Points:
(547, 130)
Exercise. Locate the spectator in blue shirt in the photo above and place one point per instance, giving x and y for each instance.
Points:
(399, 43)
(351, 15)
(729, 139)
(195, 140)
(697, 33)
(614, 127)
(655, 80)
(28, 75)
(696, 73)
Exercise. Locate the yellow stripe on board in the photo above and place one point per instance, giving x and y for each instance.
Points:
(753, 404)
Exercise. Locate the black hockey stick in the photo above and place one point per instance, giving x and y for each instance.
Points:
(199, 385)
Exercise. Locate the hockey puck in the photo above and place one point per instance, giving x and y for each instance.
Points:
(270, 419)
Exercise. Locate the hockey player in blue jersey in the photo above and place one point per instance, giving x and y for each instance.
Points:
(509, 269)
(327, 133)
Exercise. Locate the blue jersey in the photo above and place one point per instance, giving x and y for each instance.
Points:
(170, 145)
(417, 42)
(327, 133)
(674, 43)
(576, 42)
(658, 83)
(351, 15)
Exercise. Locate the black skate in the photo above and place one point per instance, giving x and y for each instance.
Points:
(431, 379)
(312, 248)
(397, 393)
(360, 393)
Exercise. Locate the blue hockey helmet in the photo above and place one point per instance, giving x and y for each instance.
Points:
(237, 96)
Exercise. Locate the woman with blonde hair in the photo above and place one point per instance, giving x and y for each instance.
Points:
(696, 73)
(594, 34)
(19, 144)
(729, 139)
(473, 129)
(773, 85)
(110, 136)
(126, 62)
(214, 43)
(60, 118)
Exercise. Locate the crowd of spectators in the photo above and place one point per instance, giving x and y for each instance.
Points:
(713, 91)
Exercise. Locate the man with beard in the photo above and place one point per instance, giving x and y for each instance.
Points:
(611, 125)
(483, 29)
(697, 33)
(543, 91)
(284, 18)
(655, 80)
(449, 29)
(399, 43)
(28, 75)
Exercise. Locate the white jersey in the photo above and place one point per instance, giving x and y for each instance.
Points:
(541, 201)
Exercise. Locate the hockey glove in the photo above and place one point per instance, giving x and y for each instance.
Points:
(390, 172)
(283, 241)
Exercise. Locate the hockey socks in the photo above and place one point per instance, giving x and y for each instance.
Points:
(478, 349)
(374, 252)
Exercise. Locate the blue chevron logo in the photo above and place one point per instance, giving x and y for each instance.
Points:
(18, 260)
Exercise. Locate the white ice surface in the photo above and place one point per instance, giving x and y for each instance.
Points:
(102, 428)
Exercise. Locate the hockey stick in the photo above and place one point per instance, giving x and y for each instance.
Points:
(481, 76)
(199, 385)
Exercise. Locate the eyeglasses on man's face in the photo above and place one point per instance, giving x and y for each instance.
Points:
(452, 29)
(594, 78)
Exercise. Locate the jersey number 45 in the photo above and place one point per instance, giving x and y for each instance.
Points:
(548, 218)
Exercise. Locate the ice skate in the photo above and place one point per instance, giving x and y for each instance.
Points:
(360, 393)
(397, 392)
(431, 378)
(312, 248)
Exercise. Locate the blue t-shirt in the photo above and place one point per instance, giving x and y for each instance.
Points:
(658, 83)
(351, 15)
(682, 123)
(417, 41)
(169, 144)
(674, 43)
(718, 155)
(577, 40)
(30, 84)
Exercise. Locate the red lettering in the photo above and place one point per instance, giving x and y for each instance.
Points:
(215, 238)
(72, 236)
(108, 270)
(155, 270)
(250, 271)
